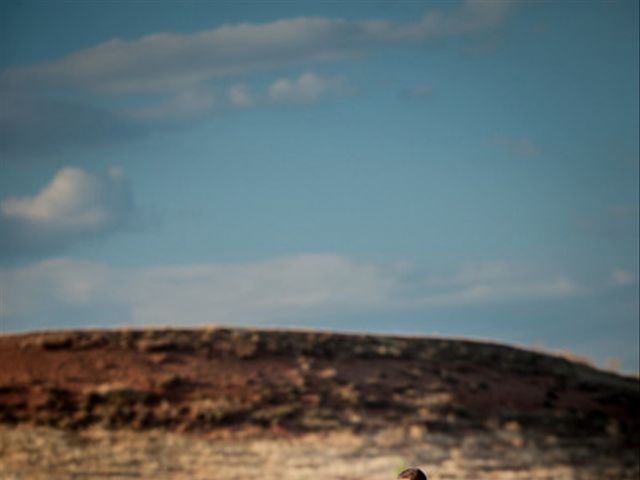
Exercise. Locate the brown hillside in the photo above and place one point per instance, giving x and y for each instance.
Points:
(248, 381)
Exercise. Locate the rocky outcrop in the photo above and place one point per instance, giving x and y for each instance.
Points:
(233, 379)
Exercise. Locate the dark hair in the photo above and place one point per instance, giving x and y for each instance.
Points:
(412, 474)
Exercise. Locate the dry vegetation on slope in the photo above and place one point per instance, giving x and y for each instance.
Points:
(297, 404)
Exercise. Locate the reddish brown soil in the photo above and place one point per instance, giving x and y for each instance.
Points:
(217, 380)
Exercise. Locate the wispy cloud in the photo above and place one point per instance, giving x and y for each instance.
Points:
(170, 61)
(308, 88)
(186, 105)
(289, 289)
(240, 97)
(74, 206)
(179, 71)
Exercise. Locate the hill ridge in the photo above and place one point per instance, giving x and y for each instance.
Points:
(217, 379)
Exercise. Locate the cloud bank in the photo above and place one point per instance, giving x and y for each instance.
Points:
(295, 289)
(172, 77)
(75, 206)
(168, 62)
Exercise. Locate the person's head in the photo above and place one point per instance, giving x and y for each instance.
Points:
(412, 474)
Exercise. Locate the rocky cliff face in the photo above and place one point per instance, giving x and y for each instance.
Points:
(216, 379)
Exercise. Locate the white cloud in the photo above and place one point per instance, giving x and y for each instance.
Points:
(308, 88)
(179, 70)
(240, 97)
(276, 289)
(188, 104)
(53, 284)
(290, 289)
(75, 205)
(169, 62)
(73, 199)
(487, 283)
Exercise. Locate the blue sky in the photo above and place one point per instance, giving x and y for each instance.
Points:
(459, 168)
